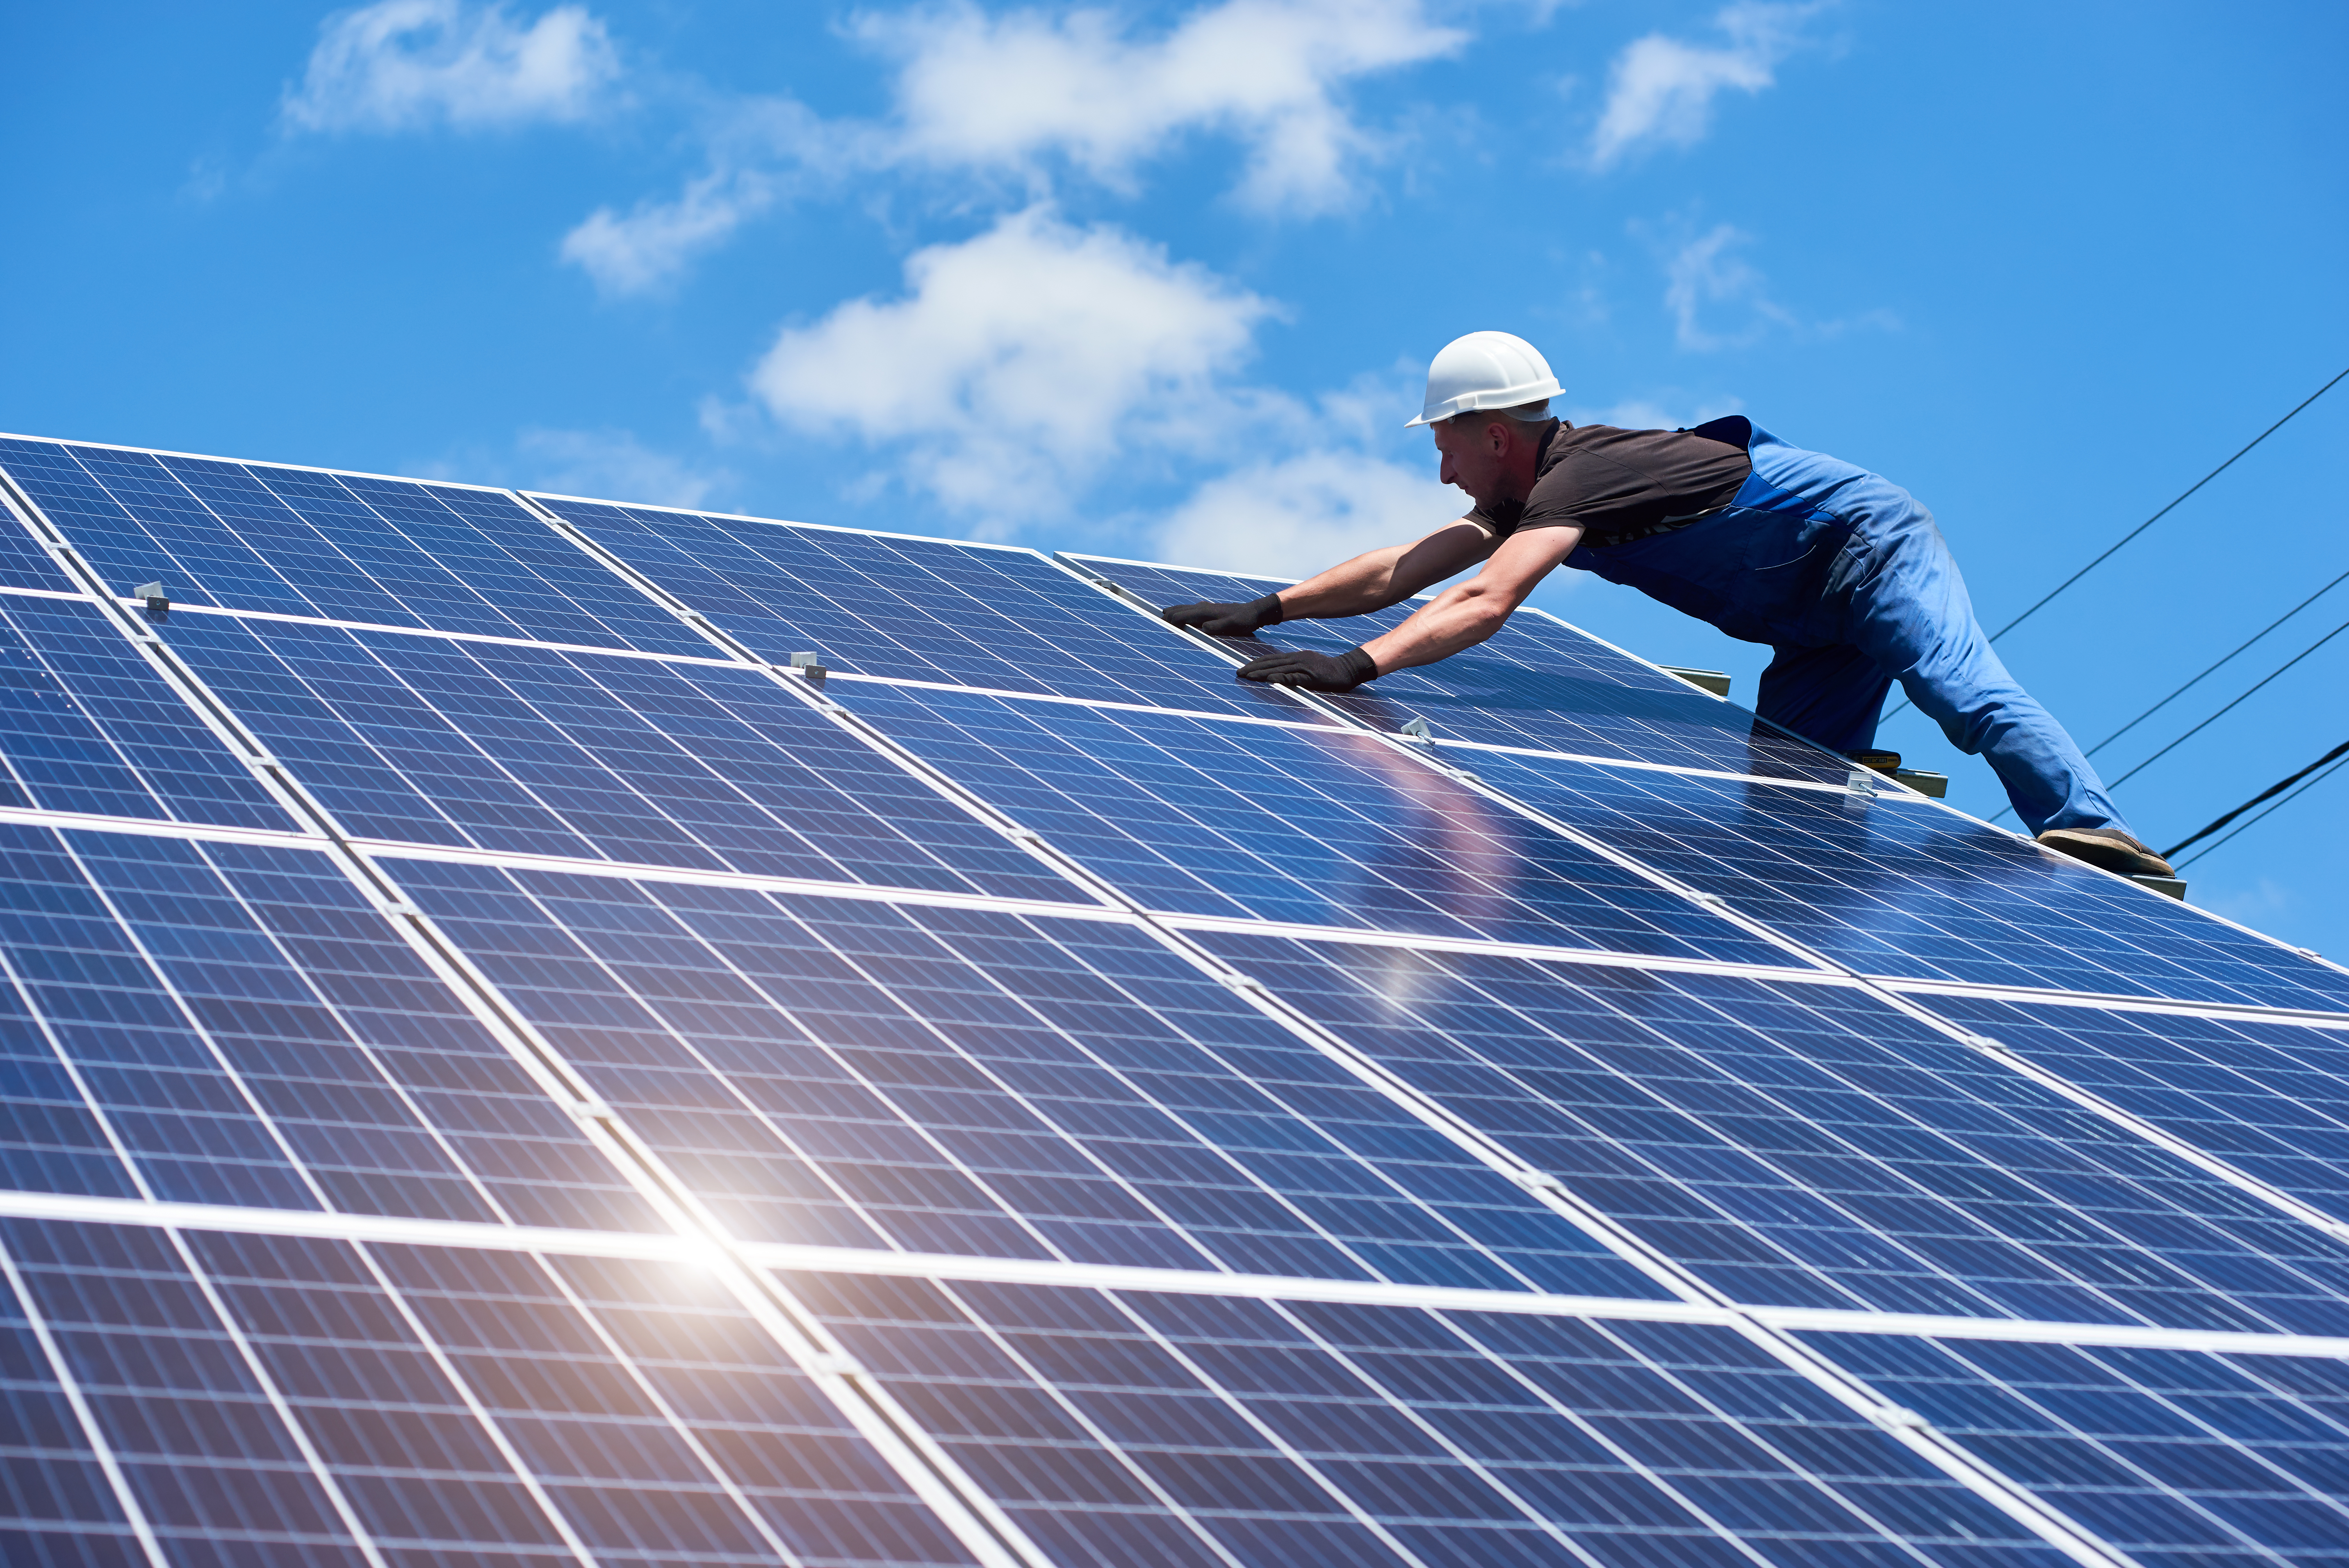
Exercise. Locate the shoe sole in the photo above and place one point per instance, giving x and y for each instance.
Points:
(2106, 855)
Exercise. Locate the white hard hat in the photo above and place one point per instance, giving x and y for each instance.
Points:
(1484, 370)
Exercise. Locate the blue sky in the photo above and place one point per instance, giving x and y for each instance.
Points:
(1163, 282)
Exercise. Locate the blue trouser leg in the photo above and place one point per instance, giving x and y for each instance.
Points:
(1911, 618)
(1831, 695)
(1845, 576)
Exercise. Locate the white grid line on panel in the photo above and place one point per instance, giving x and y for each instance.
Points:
(2241, 1012)
(1884, 785)
(15, 593)
(959, 1503)
(156, 828)
(930, 898)
(777, 521)
(341, 625)
(1113, 707)
(263, 462)
(1600, 958)
(471, 1235)
(466, 1235)
(92, 1433)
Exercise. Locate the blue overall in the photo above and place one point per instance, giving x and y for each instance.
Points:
(1846, 578)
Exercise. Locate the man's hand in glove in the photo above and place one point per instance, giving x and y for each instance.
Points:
(1314, 672)
(1227, 620)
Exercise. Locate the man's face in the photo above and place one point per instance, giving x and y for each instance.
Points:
(1472, 454)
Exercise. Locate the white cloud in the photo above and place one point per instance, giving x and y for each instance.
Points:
(611, 465)
(1662, 90)
(1705, 274)
(1296, 515)
(1021, 363)
(652, 244)
(976, 91)
(762, 152)
(401, 64)
(1003, 95)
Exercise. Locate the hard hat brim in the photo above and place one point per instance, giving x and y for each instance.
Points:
(1524, 392)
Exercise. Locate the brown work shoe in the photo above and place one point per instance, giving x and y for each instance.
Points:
(2107, 848)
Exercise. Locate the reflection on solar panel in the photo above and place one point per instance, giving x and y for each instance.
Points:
(497, 1067)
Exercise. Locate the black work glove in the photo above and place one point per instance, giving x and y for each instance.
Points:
(1227, 620)
(1314, 672)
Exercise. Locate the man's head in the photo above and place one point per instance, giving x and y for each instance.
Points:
(1488, 402)
(1491, 452)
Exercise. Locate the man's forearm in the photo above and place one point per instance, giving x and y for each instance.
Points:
(1467, 612)
(1355, 587)
(1378, 578)
(1437, 631)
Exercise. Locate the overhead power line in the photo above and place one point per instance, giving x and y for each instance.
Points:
(2334, 756)
(2166, 510)
(2157, 517)
(2198, 728)
(2181, 691)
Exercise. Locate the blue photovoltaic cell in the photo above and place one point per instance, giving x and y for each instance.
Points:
(1805, 1145)
(56, 1502)
(231, 1024)
(1180, 1430)
(530, 750)
(843, 1073)
(1317, 826)
(24, 563)
(659, 1423)
(86, 725)
(1538, 682)
(2181, 1458)
(917, 609)
(299, 541)
(2271, 1098)
(1898, 886)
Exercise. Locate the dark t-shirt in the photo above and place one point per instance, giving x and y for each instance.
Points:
(1621, 484)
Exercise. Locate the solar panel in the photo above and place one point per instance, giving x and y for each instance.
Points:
(343, 547)
(1538, 683)
(2171, 1455)
(492, 1068)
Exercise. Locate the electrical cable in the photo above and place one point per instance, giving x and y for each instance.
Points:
(2338, 756)
(2157, 517)
(2181, 691)
(2198, 729)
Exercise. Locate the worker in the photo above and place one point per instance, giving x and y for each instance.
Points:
(1842, 573)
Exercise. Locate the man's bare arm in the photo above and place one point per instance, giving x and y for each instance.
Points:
(1378, 578)
(1467, 612)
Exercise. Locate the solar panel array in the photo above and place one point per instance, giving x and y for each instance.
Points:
(502, 1068)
